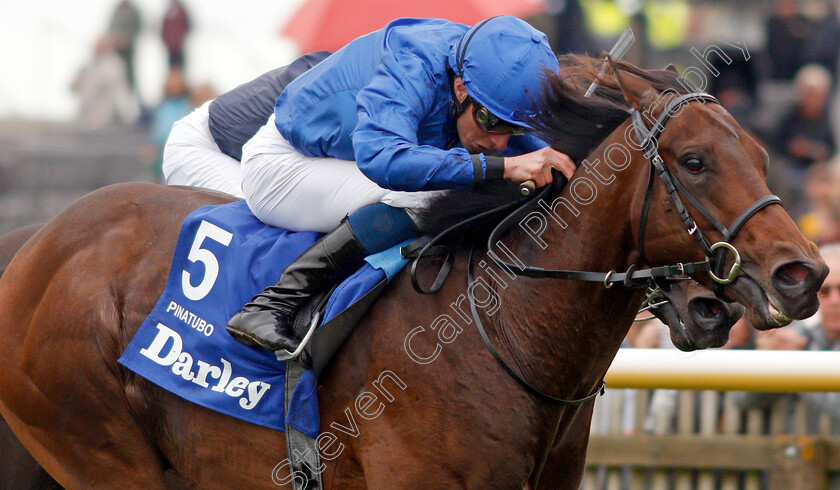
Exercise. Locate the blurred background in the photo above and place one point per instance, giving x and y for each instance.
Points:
(92, 87)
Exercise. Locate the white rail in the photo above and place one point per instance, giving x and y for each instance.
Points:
(724, 369)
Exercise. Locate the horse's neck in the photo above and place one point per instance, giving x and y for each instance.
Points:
(563, 334)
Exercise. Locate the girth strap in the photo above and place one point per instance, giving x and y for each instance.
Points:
(301, 450)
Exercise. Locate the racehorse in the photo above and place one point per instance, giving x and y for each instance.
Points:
(406, 406)
(697, 320)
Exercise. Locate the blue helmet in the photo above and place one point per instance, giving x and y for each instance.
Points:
(500, 61)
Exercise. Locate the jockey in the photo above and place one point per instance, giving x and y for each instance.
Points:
(369, 133)
(204, 147)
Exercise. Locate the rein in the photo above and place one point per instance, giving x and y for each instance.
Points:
(633, 277)
(519, 379)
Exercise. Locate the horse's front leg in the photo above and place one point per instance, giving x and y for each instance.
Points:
(566, 459)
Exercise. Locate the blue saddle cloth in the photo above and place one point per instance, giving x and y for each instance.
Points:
(224, 256)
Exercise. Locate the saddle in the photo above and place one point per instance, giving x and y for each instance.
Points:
(320, 343)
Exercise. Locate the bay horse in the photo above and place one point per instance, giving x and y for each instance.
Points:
(695, 317)
(444, 413)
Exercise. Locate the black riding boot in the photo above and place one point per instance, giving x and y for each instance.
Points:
(267, 320)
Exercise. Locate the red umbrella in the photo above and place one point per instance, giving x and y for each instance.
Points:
(330, 24)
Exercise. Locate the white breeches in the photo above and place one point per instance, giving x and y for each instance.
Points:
(287, 189)
(191, 156)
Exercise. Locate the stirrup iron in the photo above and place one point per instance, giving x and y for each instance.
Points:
(285, 355)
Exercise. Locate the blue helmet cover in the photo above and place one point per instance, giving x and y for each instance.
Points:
(501, 64)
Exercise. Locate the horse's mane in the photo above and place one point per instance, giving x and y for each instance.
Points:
(567, 121)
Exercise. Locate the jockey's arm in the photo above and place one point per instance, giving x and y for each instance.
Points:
(386, 145)
(400, 96)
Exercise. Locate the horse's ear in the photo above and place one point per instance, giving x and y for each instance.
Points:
(636, 90)
(672, 68)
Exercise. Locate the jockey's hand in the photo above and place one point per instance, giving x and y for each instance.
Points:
(537, 166)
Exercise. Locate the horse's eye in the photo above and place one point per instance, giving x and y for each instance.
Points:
(693, 165)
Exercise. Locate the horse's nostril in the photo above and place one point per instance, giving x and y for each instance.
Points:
(707, 307)
(790, 274)
(715, 308)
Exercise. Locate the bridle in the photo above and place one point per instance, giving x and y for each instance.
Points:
(647, 141)
(634, 277)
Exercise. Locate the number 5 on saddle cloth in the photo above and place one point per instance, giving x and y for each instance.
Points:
(224, 256)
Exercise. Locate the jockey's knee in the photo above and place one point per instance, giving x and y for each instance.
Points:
(380, 226)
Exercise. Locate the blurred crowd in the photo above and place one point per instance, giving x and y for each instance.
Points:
(106, 85)
(779, 83)
(783, 91)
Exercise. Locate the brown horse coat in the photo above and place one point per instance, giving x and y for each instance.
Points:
(20, 471)
(414, 400)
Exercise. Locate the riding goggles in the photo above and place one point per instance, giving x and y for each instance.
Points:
(490, 123)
